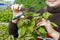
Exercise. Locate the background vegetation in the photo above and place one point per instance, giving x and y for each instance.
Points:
(6, 15)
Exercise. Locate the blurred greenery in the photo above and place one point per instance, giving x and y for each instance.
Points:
(4, 35)
(34, 5)
(37, 4)
(5, 15)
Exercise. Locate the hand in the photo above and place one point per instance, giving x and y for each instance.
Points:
(17, 11)
(44, 23)
(50, 30)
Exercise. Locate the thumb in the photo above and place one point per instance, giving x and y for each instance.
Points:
(12, 7)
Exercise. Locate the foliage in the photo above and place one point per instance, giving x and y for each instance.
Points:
(5, 15)
(36, 4)
(28, 29)
(4, 35)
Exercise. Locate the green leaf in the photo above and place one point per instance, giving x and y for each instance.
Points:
(42, 31)
(29, 34)
(20, 23)
(35, 14)
(23, 31)
(26, 21)
(34, 36)
(31, 26)
(46, 15)
(10, 37)
(53, 24)
(28, 38)
(22, 38)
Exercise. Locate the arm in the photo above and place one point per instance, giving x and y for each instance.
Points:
(13, 28)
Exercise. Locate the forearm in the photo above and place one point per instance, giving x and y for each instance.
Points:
(52, 32)
(13, 29)
(11, 24)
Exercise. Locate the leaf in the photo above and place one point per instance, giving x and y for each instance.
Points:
(42, 31)
(31, 26)
(10, 37)
(47, 15)
(26, 21)
(53, 24)
(35, 14)
(34, 36)
(20, 23)
(28, 38)
(22, 38)
(23, 31)
(29, 34)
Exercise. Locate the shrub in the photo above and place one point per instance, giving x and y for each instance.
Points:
(5, 15)
(4, 35)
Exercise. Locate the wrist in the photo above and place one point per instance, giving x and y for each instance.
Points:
(55, 35)
(18, 16)
(15, 21)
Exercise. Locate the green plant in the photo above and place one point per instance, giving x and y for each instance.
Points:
(5, 15)
(4, 35)
(28, 28)
(37, 4)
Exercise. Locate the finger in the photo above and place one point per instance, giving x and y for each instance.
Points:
(16, 6)
(42, 22)
(39, 23)
(12, 7)
(20, 6)
(22, 17)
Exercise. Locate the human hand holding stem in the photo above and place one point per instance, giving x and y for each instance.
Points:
(16, 11)
(50, 30)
